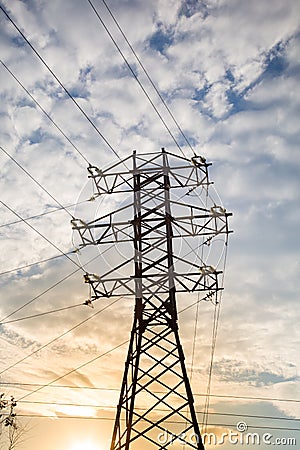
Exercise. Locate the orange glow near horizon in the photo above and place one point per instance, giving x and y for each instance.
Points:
(85, 444)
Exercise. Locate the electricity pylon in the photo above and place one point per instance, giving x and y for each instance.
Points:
(161, 237)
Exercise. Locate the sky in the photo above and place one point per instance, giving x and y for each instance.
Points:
(229, 72)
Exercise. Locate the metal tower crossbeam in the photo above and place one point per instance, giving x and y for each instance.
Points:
(163, 235)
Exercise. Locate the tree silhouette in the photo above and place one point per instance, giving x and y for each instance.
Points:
(10, 430)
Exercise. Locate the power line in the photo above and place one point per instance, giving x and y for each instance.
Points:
(217, 311)
(99, 388)
(46, 313)
(52, 287)
(33, 179)
(45, 112)
(42, 235)
(60, 83)
(34, 264)
(60, 336)
(76, 369)
(194, 339)
(245, 397)
(213, 346)
(46, 213)
(56, 416)
(135, 76)
(259, 427)
(148, 76)
(215, 413)
(42, 293)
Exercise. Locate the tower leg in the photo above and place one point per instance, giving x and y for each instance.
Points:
(156, 403)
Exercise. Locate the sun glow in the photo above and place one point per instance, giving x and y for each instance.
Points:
(85, 445)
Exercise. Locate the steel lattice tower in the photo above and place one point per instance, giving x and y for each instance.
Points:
(163, 234)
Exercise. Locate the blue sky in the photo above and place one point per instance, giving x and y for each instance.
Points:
(229, 72)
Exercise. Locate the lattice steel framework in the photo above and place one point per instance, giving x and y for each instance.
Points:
(162, 233)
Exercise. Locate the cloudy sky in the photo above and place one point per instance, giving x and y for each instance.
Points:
(229, 72)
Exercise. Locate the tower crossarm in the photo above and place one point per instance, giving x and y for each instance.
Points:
(185, 173)
(198, 221)
(153, 283)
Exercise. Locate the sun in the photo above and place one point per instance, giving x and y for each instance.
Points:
(85, 445)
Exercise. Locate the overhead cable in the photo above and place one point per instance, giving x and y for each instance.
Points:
(26, 266)
(45, 112)
(99, 388)
(37, 216)
(74, 370)
(148, 76)
(3, 319)
(42, 235)
(33, 179)
(54, 285)
(135, 76)
(223, 425)
(60, 83)
(213, 413)
(59, 337)
(216, 319)
(46, 313)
